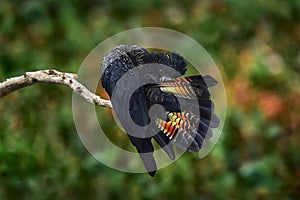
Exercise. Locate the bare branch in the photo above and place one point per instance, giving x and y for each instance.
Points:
(51, 76)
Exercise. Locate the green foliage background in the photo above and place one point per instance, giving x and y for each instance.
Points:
(256, 45)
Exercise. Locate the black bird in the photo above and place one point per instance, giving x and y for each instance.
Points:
(188, 110)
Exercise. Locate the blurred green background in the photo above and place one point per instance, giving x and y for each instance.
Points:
(256, 45)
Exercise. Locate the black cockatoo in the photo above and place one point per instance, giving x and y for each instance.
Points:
(188, 115)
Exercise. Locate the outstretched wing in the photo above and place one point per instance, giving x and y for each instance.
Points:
(187, 128)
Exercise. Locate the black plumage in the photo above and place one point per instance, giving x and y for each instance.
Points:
(188, 116)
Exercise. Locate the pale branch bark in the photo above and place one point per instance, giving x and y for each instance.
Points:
(55, 77)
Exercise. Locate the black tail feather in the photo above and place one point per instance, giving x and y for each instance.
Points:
(145, 150)
(164, 142)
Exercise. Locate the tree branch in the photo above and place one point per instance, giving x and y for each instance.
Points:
(51, 76)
